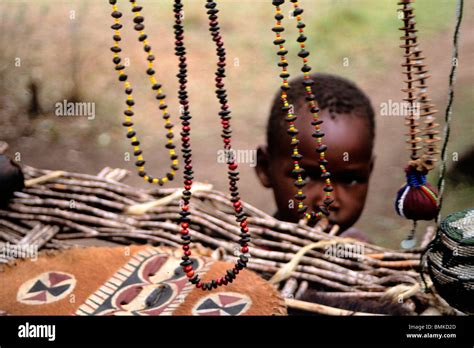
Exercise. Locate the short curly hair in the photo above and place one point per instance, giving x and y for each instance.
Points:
(332, 92)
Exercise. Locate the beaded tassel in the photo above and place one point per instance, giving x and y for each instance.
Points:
(418, 191)
(298, 171)
(155, 86)
(417, 200)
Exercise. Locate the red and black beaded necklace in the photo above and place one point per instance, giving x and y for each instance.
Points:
(185, 117)
(298, 171)
(232, 166)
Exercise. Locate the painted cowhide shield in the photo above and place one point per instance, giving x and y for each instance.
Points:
(132, 280)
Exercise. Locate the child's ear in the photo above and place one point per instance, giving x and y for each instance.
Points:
(263, 166)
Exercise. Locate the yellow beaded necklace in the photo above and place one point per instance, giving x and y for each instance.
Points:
(156, 87)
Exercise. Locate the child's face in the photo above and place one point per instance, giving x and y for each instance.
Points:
(350, 163)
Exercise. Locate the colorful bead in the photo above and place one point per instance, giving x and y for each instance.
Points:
(185, 117)
(291, 118)
(131, 134)
(221, 94)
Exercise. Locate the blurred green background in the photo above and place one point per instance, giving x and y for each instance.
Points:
(59, 50)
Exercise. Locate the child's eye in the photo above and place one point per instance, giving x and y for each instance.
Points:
(308, 174)
(311, 174)
(351, 180)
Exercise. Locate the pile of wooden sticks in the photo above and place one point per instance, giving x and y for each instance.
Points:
(56, 209)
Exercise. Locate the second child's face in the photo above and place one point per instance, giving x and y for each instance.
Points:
(350, 162)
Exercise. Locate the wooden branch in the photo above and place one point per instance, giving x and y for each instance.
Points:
(322, 309)
(79, 206)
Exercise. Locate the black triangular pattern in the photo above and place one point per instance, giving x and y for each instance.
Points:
(234, 310)
(39, 286)
(209, 304)
(58, 290)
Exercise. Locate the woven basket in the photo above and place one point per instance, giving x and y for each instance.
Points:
(451, 260)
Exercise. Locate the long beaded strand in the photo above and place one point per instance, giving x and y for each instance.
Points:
(323, 210)
(417, 199)
(160, 96)
(224, 114)
(429, 132)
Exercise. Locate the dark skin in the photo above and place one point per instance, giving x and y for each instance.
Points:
(350, 162)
